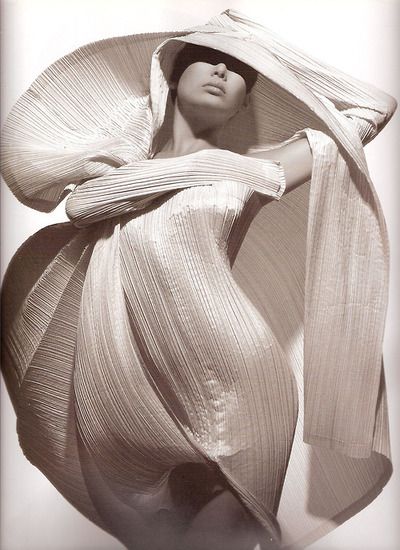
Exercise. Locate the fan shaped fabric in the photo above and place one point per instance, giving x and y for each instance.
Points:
(191, 311)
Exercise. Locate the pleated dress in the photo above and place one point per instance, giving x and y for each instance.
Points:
(186, 315)
(200, 366)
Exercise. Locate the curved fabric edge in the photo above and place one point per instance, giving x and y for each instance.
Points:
(22, 274)
(40, 303)
(45, 149)
(327, 526)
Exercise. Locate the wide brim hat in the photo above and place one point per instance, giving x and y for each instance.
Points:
(74, 121)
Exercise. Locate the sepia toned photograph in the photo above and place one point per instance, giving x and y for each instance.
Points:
(199, 275)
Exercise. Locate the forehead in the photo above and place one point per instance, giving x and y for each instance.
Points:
(214, 57)
(192, 54)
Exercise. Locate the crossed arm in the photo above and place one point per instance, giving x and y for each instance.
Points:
(132, 187)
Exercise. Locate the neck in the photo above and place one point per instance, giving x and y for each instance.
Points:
(191, 135)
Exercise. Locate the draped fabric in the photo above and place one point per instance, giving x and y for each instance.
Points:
(191, 311)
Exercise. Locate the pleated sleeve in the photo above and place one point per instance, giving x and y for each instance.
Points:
(346, 293)
(136, 185)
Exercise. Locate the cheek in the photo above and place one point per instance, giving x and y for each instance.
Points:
(238, 96)
(187, 82)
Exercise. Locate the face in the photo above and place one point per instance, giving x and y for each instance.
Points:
(212, 89)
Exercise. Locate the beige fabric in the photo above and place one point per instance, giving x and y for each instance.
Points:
(184, 321)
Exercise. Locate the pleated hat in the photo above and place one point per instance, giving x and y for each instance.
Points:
(75, 121)
(107, 104)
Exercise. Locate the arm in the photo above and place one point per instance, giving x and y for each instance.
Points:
(134, 186)
(368, 122)
(295, 158)
(367, 107)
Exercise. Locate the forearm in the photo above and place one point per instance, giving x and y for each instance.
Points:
(133, 186)
(368, 122)
(369, 107)
(342, 89)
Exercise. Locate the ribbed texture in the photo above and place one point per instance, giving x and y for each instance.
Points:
(135, 186)
(184, 321)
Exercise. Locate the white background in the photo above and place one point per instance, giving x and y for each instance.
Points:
(358, 36)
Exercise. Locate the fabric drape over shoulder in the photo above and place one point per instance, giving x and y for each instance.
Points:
(314, 262)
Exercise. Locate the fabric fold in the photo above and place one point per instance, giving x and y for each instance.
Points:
(312, 266)
(38, 347)
(342, 361)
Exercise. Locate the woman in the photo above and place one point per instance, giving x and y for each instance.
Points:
(208, 94)
(175, 364)
(206, 121)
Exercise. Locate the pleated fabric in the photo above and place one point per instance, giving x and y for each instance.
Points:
(191, 311)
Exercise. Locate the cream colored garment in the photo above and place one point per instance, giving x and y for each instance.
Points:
(183, 321)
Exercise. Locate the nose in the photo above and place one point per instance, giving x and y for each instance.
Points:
(221, 70)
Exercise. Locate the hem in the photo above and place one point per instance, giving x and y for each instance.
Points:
(353, 450)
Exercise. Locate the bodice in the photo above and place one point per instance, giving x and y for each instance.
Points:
(195, 218)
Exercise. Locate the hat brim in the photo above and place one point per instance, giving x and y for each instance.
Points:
(85, 101)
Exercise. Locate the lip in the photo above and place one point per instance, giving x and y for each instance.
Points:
(217, 85)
